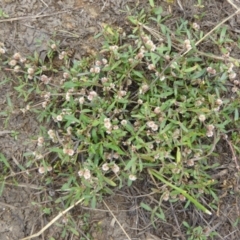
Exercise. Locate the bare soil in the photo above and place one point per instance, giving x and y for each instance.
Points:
(74, 23)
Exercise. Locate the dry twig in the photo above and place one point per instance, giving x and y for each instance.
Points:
(117, 220)
(32, 17)
(53, 221)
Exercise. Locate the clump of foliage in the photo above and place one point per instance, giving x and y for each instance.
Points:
(148, 103)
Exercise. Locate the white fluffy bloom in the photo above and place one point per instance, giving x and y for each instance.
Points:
(105, 167)
(132, 177)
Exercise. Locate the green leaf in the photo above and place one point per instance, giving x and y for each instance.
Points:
(94, 135)
(4, 160)
(74, 231)
(133, 20)
(138, 74)
(184, 193)
(145, 206)
(71, 119)
(161, 215)
(131, 163)
(115, 65)
(114, 147)
(151, 2)
(178, 157)
(93, 202)
(236, 114)
(191, 69)
(110, 182)
(2, 184)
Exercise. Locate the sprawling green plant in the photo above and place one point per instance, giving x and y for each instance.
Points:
(150, 100)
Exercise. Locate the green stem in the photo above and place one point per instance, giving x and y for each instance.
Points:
(184, 193)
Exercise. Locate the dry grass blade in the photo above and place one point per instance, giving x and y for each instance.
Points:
(53, 221)
(234, 5)
(31, 17)
(116, 221)
(215, 28)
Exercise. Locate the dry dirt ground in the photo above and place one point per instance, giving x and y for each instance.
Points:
(74, 23)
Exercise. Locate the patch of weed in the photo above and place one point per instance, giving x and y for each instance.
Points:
(150, 103)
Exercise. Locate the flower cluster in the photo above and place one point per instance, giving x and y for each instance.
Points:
(187, 44)
(149, 43)
(202, 117)
(45, 79)
(68, 151)
(40, 141)
(140, 54)
(152, 125)
(114, 167)
(46, 97)
(211, 70)
(62, 55)
(210, 129)
(121, 94)
(98, 65)
(37, 155)
(42, 170)
(108, 125)
(144, 88)
(52, 135)
(196, 26)
(92, 95)
(85, 173)
(2, 48)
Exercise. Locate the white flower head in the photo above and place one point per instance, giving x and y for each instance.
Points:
(40, 141)
(13, 62)
(165, 196)
(41, 170)
(67, 97)
(132, 177)
(219, 102)
(115, 155)
(202, 117)
(104, 79)
(157, 110)
(232, 75)
(51, 133)
(68, 151)
(80, 173)
(45, 79)
(53, 46)
(150, 124)
(104, 61)
(196, 26)
(44, 104)
(92, 95)
(210, 127)
(17, 56)
(155, 127)
(49, 168)
(62, 55)
(17, 69)
(30, 71)
(209, 133)
(81, 100)
(105, 167)
(115, 168)
(86, 174)
(69, 130)
(66, 75)
(59, 118)
(151, 67)
(2, 50)
(124, 122)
